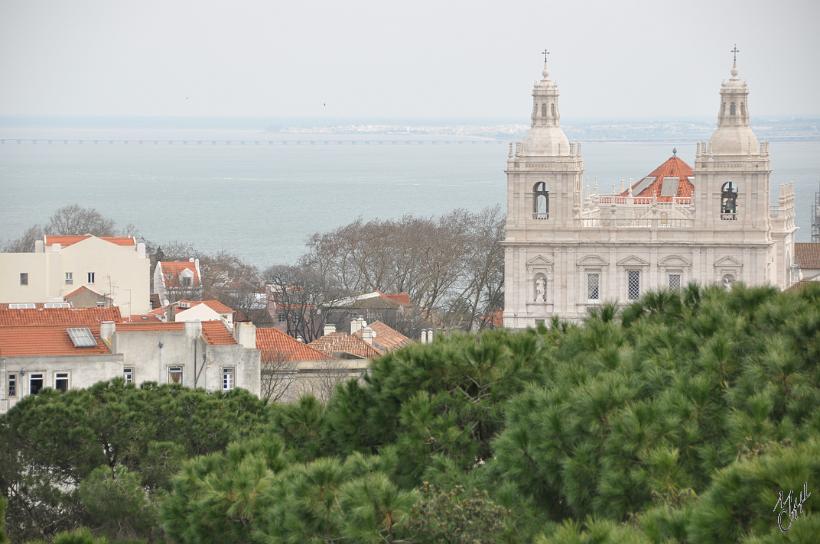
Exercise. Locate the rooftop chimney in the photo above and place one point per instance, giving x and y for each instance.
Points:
(107, 330)
(245, 334)
(193, 329)
(39, 246)
(329, 329)
(357, 324)
(368, 335)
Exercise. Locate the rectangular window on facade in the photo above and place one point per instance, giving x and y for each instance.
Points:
(23, 278)
(227, 379)
(69, 278)
(674, 281)
(90, 277)
(175, 374)
(61, 381)
(36, 382)
(593, 286)
(11, 390)
(633, 284)
(128, 375)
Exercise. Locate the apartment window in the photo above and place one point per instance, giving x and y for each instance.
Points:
(633, 284)
(674, 279)
(128, 375)
(227, 379)
(90, 277)
(11, 389)
(175, 374)
(69, 278)
(282, 316)
(23, 278)
(593, 286)
(36, 381)
(61, 381)
(186, 281)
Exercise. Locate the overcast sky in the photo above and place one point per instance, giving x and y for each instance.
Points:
(409, 59)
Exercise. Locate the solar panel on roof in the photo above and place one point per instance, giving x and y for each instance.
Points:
(641, 185)
(670, 186)
(82, 338)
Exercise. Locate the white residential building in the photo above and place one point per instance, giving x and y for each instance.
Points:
(116, 267)
(709, 224)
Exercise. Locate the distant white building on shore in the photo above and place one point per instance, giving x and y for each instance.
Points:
(713, 223)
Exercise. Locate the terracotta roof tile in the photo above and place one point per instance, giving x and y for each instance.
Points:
(401, 298)
(79, 290)
(34, 341)
(68, 317)
(217, 333)
(170, 273)
(67, 240)
(387, 338)
(674, 167)
(342, 343)
(277, 346)
(807, 255)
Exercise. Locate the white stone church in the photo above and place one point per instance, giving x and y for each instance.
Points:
(565, 253)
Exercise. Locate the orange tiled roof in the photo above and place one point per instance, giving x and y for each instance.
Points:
(67, 317)
(277, 346)
(387, 338)
(673, 169)
(340, 342)
(67, 240)
(79, 290)
(171, 270)
(215, 333)
(213, 304)
(34, 341)
(141, 318)
(807, 255)
(142, 326)
(401, 298)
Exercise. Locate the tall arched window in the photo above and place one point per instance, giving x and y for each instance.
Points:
(540, 201)
(553, 109)
(728, 201)
(743, 110)
(732, 109)
(544, 109)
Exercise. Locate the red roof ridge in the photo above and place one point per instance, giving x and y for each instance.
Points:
(66, 240)
(275, 344)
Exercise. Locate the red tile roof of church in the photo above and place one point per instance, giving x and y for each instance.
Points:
(807, 255)
(387, 338)
(674, 167)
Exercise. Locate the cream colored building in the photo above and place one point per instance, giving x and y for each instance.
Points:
(116, 267)
(565, 253)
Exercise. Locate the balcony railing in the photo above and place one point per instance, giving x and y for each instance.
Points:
(728, 217)
(542, 215)
(642, 200)
(643, 223)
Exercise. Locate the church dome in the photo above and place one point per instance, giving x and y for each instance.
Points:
(734, 141)
(546, 141)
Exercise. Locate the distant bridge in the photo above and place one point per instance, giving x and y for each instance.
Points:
(312, 141)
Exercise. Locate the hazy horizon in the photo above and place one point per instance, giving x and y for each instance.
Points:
(365, 59)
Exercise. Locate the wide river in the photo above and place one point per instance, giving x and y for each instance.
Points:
(262, 202)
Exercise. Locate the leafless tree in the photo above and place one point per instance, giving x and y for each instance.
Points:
(277, 377)
(25, 243)
(323, 382)
(75, 219)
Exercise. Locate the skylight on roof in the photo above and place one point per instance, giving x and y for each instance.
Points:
(82, 337)
(641, 185)
(669, 187)
(22, 306)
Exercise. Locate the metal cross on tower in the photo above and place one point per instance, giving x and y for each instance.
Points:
(734, 51)
(545, 53)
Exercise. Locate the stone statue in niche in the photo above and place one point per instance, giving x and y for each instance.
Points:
(540, 289)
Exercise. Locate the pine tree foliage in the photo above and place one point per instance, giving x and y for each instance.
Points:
(678, 419)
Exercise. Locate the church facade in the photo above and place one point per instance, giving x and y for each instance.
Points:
(712, 223)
